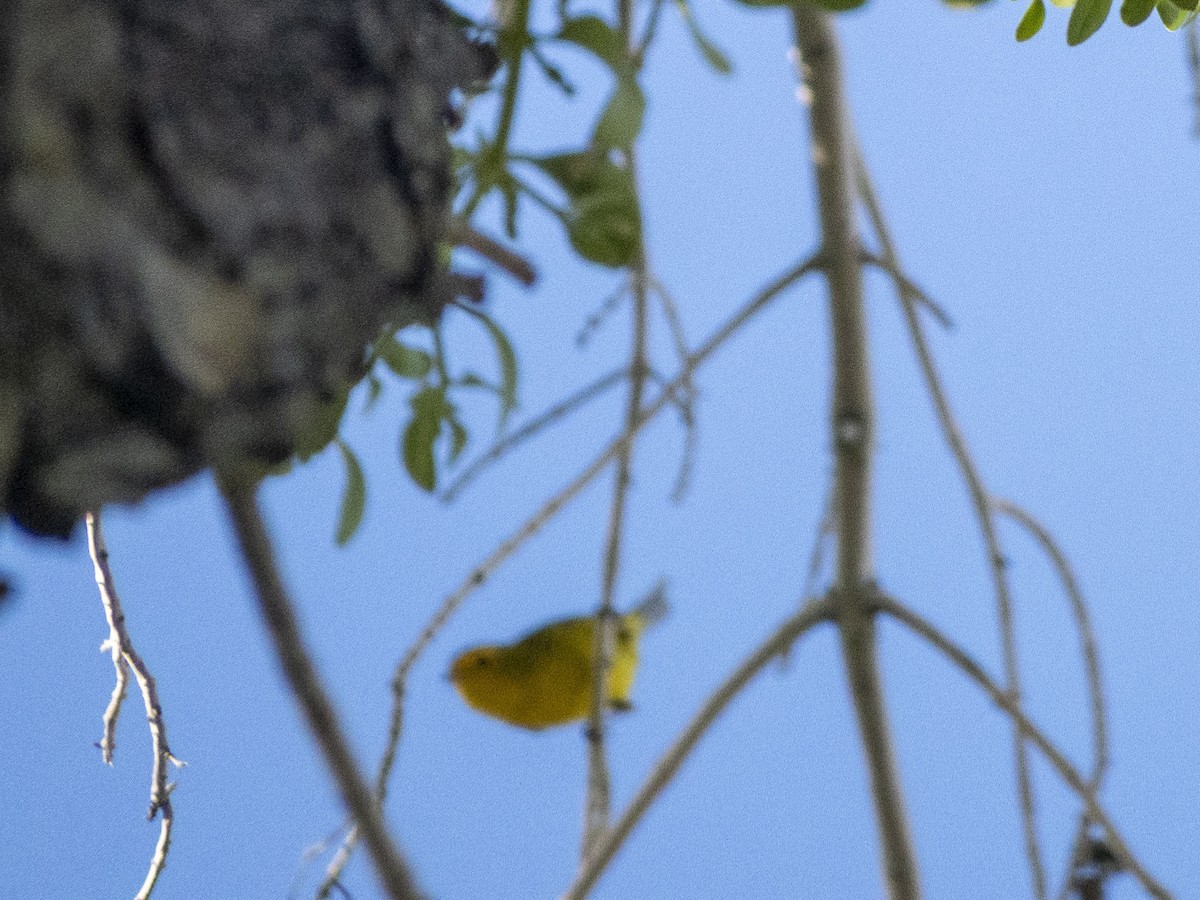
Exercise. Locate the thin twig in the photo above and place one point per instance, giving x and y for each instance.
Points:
(1091, 659)
(531, 429)
(129, 658)
(297, 665)
(983, 512)
(463, 234)
(906, 284)
(598, 801)
(852, 422)
(535, 523)
(687, 410)
(1011, 707)
(777, 644)
(597, 318)
(1083, 624)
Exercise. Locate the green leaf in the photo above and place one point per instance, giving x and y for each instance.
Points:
(621, 120)
(604, 223)
(711, 53)
(508, 187)
(429, 407)
(605, 229)
(1031, 22)
(1135, 12)
(1172, 16)
(458, 440)
(475, 380)
(354, 500)
(552, 72)
(594, 34)
(322, 427)
(1086, 19)
(374, 388)
(831, 5)
(507, 358)
(405, 361)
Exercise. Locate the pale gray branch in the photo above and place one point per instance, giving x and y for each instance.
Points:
(126, 657)
(909, 298)
(852, 423)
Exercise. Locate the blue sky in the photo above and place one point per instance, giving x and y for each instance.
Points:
(1042, 194)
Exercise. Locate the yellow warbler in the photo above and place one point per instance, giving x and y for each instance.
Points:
(545, 678)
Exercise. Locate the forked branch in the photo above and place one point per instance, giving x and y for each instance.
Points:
(126, 657)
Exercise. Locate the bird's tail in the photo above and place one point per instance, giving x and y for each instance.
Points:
(654, 608)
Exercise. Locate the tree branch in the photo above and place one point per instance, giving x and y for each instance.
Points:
(997, 564)
(126, 657)
(853, 433)
(302, 677)
(530, 429)
(778, 644)
(1012, 708)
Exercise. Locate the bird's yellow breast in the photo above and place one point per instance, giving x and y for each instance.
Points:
(545, 678)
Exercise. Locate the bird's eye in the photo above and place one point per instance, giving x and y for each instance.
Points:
(481, 661)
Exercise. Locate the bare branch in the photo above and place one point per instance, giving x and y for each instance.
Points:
(534, 524)
(779, 643)
(983, 513)
(670, 310)
(598, 801)
(852, 421)
(531, 429)
(1091, 659)
(302, 677)
(1012, 708)
(1083, 623)
(466, 235)
(126, 657)
(906, 284)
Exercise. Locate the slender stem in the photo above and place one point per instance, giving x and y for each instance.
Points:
(598, 802)
(532, 428)
(535, 523)
(513, 34)
(297, 665)
(1012, 708)
(463, 234)
(997, 564)
(853, 434)
(129, 658)
(777, 644)
(1083, 624)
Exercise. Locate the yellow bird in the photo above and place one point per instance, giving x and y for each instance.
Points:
(545, 678)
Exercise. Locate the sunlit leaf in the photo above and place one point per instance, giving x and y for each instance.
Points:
(507, 358)
(621, 120)
(1172, 16)
(712, 54)
(1086, 19)
(322, 427)
(405, 361)
(428, 406)
(458, 440)
(605, 229)
(354, 498)
(1135, 12)
(594, 34)
(1031, 22)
